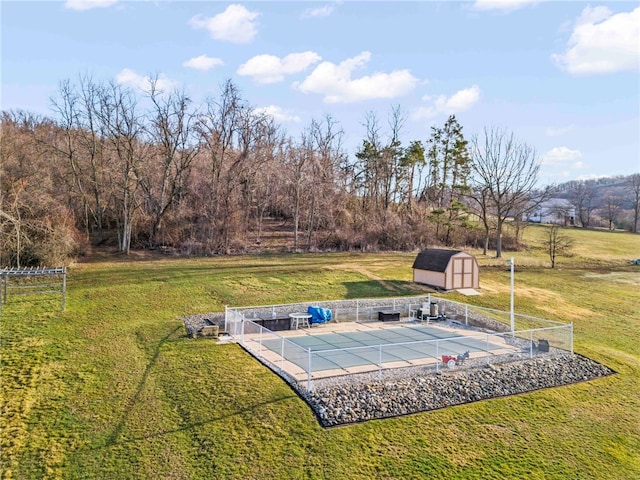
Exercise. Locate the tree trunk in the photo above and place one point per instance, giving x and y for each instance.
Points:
(499, 238)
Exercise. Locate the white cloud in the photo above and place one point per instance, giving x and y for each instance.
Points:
(236, 24)
(318, 12)
(555, 174)
(278, 114)
(335, 82)
(132, 79)
(460, 101)
(602, 43)
(504, 6)
(562, 157)
(88, 4)
(272, 69)
(555, 132)
(203, 62)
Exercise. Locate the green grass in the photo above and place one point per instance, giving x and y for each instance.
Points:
(112, 388)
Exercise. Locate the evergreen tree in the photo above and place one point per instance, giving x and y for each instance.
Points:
(449, 171)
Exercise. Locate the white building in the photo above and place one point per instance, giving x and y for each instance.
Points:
(555, 210)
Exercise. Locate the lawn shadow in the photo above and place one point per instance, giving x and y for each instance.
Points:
(112, 439)
(384, 288)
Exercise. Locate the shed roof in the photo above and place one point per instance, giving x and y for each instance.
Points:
(434, 259)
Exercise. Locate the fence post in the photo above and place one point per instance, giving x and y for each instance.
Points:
(64, 288)
(571, 336)
(309, 371)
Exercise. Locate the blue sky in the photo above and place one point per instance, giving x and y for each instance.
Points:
(564, 76)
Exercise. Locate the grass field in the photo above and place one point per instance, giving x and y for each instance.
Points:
(112, 388)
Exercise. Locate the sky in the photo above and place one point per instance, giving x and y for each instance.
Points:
(563, 76)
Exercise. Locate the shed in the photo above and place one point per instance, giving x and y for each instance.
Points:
(446, 269)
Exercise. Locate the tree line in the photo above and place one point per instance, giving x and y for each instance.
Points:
(112, 167)
(611, 202)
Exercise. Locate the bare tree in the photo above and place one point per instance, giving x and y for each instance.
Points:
(80, 141)
(611, 209)
(36, 225)
(326, 159)
(298, 159)
(261, 187)
(119, 115)
(582, 196)
(264, 195)
(257, 138)
(505, 172)
(12, 232)
(391, 158)
(220, 129)
(481, 200)
(634, 189)
(557, 243)
(171, 134)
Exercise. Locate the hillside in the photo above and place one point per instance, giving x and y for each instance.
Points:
(113, 388)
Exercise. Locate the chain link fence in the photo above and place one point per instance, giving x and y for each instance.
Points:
(484, 333)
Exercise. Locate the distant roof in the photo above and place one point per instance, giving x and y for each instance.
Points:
(434, 259)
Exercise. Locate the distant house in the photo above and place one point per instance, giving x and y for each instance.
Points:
(446, 269)
(555, 210)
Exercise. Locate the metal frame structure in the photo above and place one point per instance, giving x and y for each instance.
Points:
(34, 287)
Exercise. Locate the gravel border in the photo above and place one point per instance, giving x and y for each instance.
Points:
(359, 398)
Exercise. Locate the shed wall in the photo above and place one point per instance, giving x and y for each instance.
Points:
(435, 279)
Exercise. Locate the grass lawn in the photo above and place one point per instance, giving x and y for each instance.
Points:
(112, 388)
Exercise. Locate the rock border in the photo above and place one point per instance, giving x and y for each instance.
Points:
(360, 398)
